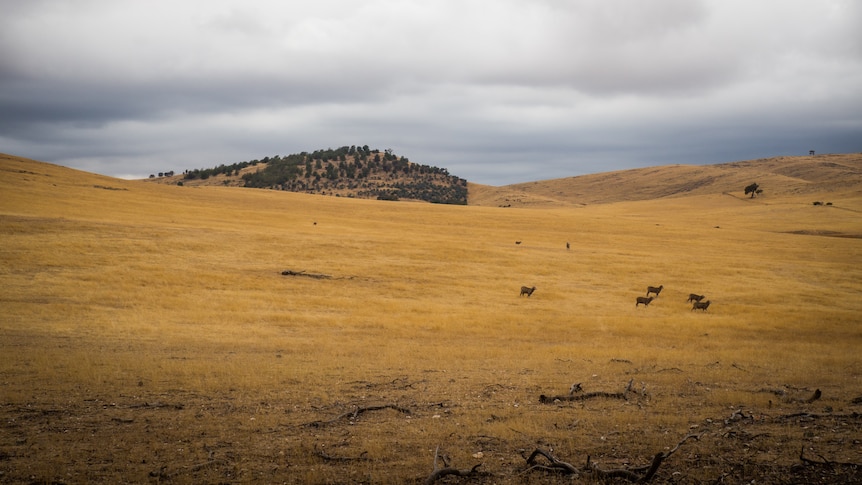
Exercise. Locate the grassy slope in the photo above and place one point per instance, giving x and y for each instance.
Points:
(780, 176)
(121, 296)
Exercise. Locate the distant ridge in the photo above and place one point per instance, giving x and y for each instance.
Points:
(778, 176)
(818, 177)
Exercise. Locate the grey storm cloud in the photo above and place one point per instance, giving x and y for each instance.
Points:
(497, 91)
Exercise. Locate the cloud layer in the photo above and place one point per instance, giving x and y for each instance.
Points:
(497, 91)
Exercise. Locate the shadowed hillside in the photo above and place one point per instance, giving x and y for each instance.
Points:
(813, 175)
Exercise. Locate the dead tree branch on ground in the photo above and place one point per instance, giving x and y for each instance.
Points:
(853, 415)
(356, 412)
(629, 475)
(362, 456)
(447, 470)
(825, 461)
(555, 465)
(319, 276)
(814, 397)
(738, 415)
(580, 397)
(641, 474)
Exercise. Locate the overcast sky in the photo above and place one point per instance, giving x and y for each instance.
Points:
(496, 91)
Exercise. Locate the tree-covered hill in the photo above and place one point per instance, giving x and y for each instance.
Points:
(351, 171)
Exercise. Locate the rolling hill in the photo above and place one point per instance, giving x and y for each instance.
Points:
(803, 175)
(348, 171)
(816, 177)
(800, 175)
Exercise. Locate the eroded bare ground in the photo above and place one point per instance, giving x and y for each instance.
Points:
(393, 432)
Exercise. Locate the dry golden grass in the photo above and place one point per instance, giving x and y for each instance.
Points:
(779, 176)
(148, 334)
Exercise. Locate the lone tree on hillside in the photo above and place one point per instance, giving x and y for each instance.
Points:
(752, 189)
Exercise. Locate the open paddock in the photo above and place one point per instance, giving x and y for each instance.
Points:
(150, 335)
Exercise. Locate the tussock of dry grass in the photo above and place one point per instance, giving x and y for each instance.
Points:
(149, 326)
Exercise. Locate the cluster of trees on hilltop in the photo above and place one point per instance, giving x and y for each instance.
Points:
(361, 171)
(232, 169)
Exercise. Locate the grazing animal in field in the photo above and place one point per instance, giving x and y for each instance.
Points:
(517, 242)
(654, 289)
(526, 290)
(700, 305)
(567, 245)
(694, 297)
(643, 300)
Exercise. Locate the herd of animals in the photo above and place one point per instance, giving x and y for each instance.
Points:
(697, 300)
